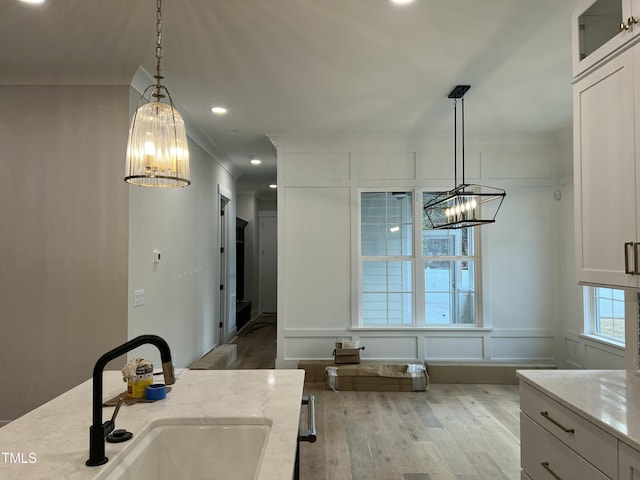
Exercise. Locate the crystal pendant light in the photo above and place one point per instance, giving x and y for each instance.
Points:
(467, 205)
(157, 150)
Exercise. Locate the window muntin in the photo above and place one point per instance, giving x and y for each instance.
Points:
(386, 249)
(387, 292)
(450, 297)
(450, 274)
(447, 243)
(386, 223)
(604, 313)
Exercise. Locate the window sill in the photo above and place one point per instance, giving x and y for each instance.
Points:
(603, 340)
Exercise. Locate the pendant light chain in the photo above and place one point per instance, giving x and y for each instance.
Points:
(455, 139)
(455, 142)
(462, 127)
(158, 76)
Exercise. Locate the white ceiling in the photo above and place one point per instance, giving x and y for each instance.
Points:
(315, 67)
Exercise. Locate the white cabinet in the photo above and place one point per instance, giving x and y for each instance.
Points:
(579, 424)
(558, 443)
(546, 457)
(606, 104)
(629, 462)
(600, 28)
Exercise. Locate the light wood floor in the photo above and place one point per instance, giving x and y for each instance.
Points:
(256, 344)
(450, 432)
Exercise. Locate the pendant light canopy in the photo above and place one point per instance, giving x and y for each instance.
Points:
(466, 205)
(157, 150)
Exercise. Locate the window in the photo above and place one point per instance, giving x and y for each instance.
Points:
(604, 313)
(386, 229)
(444, 268)
(449, 272)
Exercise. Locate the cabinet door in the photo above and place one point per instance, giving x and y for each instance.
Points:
(604, 173)
(629, 459)
(597, 31)
(631, 12)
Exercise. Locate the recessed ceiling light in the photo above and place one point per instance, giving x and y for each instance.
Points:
(273, 185)
(402, 2)
(256, 161)
(32, 1)
(219, 110)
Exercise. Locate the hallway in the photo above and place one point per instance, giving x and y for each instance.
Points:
(256, 344)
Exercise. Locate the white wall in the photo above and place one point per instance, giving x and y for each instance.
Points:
(64, 237)
(65, 263)
(267, 205)
(182, 295)
(524, 289)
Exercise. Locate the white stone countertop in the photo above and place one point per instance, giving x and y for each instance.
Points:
(608, 398)
(52, 441)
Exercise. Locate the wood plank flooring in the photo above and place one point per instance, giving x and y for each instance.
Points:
(256, 344)
(450, 432)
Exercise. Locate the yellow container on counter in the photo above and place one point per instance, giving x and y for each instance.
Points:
(136, 387)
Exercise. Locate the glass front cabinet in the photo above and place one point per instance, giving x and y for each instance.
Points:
(601, 27)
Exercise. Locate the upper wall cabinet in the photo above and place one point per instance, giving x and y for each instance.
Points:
(601, 27)
(606, 104)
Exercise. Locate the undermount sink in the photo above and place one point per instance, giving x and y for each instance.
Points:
(197, 449)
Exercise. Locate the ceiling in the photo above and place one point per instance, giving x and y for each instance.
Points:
(314, 67)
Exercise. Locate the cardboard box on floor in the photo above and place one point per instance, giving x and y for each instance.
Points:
(346, 355)
(378, 377)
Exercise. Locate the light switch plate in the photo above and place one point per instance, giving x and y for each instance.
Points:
(138, 298)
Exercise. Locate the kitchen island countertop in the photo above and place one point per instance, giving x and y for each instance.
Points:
(52, 441)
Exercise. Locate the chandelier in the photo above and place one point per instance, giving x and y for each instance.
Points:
(466, 205)
(157, 150)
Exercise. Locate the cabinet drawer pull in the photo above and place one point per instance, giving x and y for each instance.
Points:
(623, 27)
(546, 466)
(636, 255)
(627, 245)
(632, 20)
(545, 414)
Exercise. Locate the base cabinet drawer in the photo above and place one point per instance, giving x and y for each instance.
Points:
(544, 457)
(629, 461)
(580, 435)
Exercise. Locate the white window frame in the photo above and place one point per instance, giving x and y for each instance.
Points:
(417, 260)
(590, 318)
(384, 258)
